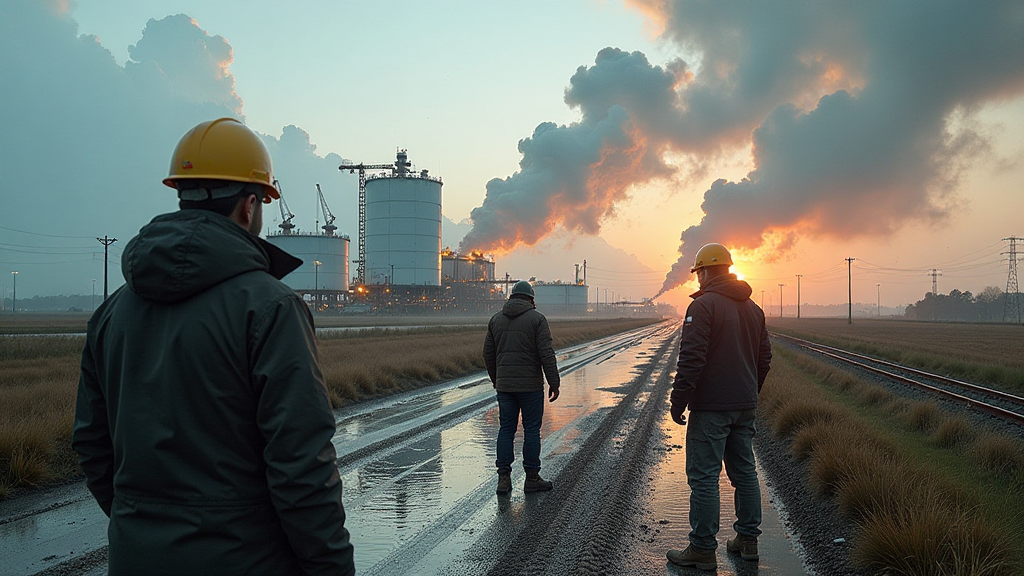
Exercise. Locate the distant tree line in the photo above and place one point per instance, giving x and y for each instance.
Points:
(61, 303)
(957, 306)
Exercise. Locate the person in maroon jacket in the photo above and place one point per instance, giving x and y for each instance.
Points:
(724, 357)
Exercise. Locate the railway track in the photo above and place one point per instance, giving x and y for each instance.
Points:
(1001, 404)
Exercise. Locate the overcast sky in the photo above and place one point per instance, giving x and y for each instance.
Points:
(628, 134)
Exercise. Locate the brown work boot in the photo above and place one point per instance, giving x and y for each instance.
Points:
(745, 545)
(504, 483)
(698, 558)
(534, 483)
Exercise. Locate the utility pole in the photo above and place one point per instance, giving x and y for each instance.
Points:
(316, 285)
(878, 300)
(798, 277)
(106, 242)
(93, 294)
(849, 289)
(780, 299)
(14, 297)
(762, 299)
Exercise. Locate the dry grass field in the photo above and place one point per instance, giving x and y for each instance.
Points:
(929, 494)
(39, 377)
(983, 353)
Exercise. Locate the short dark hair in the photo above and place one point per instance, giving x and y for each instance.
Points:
(223, 206)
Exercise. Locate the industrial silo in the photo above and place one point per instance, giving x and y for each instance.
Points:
(403, 227)
(330, 277)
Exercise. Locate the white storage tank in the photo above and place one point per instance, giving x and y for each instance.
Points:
(332, 253)
(403, 227)
(558, 298)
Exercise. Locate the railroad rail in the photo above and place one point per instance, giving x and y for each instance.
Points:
(871, 364)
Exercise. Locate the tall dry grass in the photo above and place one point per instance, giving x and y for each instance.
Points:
(912, 518)
(39, 379)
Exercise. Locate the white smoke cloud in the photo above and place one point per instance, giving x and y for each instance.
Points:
(859, 116)
(573, 176)
(864, 161)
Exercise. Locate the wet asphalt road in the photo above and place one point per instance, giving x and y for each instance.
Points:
(418, 472)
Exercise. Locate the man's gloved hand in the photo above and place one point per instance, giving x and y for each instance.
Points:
(677, 413)
(679, 401)
(552, 393)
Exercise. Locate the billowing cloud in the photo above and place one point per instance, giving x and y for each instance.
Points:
(863, 161)
(574, 175)
(176, 53)
(859, 118)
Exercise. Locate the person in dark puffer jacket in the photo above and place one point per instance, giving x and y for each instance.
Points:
(519, 355)
(724, 357)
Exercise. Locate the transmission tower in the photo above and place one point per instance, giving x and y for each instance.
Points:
(935, 281)
(1012, 309)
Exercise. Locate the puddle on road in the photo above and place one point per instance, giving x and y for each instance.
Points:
(389, 501)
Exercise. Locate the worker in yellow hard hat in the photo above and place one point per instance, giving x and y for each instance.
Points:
(203, 423)
(724, 357)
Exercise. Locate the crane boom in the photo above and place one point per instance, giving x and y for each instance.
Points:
(286, 213)
(362, 168)
(328, 226)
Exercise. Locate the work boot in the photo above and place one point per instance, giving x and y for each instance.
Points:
(696, 557)
(745, 545)
(504, 483)
(534, 483)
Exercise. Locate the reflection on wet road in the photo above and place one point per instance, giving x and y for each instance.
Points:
(419, 478)
(434, 490)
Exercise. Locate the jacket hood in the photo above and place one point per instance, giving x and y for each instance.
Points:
(727, 285)
(181, 254)
(517, 306)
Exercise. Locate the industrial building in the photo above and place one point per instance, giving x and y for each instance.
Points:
(561, 299)
(403, 227)
(401, 267)
(322, 280)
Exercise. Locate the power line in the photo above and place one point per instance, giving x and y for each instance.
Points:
(46, 235)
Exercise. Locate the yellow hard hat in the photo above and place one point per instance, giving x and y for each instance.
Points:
(711, 255)
(223, 149)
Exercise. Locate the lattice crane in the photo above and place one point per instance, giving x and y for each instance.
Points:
(286, 213)
(328, 226)
(362, 168)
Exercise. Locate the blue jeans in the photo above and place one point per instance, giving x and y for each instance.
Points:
(712, 436)
(510, 405)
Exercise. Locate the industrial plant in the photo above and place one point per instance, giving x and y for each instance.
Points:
(400, 266)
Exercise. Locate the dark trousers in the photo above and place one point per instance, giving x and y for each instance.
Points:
(711, 437)
(510, 406)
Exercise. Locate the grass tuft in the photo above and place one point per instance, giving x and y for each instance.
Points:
(924, 416)
(953, 431)
(915, 540)
(1000, 454)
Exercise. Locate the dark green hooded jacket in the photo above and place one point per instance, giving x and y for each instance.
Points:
(517, 348)
(203, 424)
